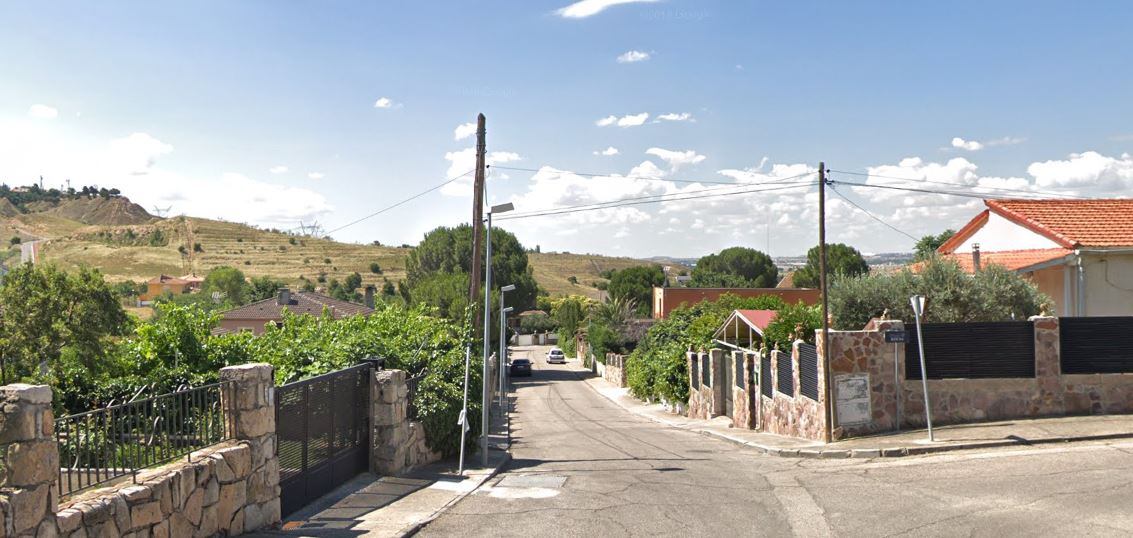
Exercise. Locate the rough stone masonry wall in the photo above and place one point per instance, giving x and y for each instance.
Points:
(614, 371)
(865, 352)
(743, 393)
(399, 445)
(792, 414)
(700, 398)
(227, 489)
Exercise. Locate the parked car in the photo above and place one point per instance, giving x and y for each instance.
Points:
(556, 355)
(520, 367)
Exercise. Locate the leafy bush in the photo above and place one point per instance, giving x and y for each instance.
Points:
(953, 296)
(793, 322)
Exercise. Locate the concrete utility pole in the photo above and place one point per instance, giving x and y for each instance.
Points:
(825, 304)
(478, 212)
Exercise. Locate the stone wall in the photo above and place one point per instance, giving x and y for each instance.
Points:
(792, 414)
(700, 397)
(226, 489)
(897, 401)
(743, 392)
(398, 444)
(614, 369)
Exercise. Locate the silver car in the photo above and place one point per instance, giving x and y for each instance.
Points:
(556, 356)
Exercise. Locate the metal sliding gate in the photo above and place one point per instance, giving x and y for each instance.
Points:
(323, 437)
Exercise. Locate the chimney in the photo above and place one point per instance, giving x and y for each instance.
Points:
(284, 297)
(369, 301)
(975, 257)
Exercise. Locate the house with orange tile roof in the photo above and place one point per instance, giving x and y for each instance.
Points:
(1078, 252)
(254, 317)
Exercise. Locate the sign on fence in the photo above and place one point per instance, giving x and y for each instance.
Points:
(895, 336)
(851, 399)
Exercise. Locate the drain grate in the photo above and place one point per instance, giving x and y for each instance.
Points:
(531, 481)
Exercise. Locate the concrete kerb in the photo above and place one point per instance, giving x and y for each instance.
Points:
(864, 453)
(416, 527)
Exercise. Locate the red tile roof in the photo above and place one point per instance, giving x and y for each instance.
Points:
(1073, 223)
(1013, 260)
(302, 302)
(758, 318)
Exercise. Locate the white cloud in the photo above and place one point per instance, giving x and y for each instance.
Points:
(133, 164)
(43, 112)
(676, 159)
(587, 8)
(674, 116)
(461, 162)
(970, 145)
(1088, 170)
(278, 169)
(316, 175)
(463, 131)
(975, 145)
(629, 120)
(385, 102)
(608, 152)
(633, 56)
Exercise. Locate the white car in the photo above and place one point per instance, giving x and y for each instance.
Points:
(556, 355)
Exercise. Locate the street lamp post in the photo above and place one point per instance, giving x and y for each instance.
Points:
(485, 399)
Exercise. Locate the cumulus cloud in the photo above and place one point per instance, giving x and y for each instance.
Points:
(385, 102)
(1087, 170)
(975, 145)
(608, 152)
(629, 120)
(588, 8)
(676, 159)
(463, 161)
(463, 131)
(43, 112)
(278, 169)
(675, 116)
(133, 164)
(316, 175)
(633, 56)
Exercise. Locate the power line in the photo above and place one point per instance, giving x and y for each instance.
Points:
(614, 203)
(618, 176)
(911, 189)
(1004, 189)
(870, 215)
(407, 200)
(631, 201)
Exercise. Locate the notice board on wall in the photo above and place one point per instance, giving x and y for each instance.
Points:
(851, 399)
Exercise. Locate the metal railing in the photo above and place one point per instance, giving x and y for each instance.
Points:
(103, 445)
(411, 396)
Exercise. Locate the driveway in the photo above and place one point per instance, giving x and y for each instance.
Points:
(583, 466)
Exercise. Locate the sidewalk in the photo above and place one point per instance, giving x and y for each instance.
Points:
(394, 506)
(1021, 432)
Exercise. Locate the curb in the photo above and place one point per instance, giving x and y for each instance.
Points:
(413, 529)
(867, 453)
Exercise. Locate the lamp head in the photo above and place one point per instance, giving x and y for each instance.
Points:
(508, 309)
(502, 208)
(509, 287)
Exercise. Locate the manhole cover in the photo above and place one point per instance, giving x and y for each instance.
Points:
(532, 481)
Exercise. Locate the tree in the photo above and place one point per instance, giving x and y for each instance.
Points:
(375, 268)
(229, 282)
(636, 284)
(448, 251)
(353, 282)
(264, 287)
(568, 313)
(927, 245)
(841, 260)
(735, 267)
(45, 312)
(953, 296)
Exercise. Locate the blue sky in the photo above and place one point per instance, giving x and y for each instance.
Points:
(192, 105)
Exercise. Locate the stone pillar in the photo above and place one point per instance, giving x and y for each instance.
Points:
(716, 359)
(388, 407)
(28, 496)
(251, 402)
(1048, 367)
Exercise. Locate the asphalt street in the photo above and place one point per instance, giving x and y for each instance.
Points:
(583, 466)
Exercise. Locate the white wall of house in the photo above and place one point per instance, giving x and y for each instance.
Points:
(1001, 234)
(1109, 284)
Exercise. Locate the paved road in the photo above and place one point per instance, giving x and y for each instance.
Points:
(585, 467)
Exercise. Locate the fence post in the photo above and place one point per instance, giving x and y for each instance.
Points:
(388, 424)
(249, 397)
(28, 493)
(716, 359)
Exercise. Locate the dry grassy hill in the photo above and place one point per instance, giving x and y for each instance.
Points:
(140, 251)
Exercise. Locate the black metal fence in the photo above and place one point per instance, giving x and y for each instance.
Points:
(1000, 349)
(411, 395)
(1101, 345)
(786, 374)
(103, 445)
(764, 380)
(808, 371)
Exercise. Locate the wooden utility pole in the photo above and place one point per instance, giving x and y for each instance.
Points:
(478, 213)
(825, 303)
